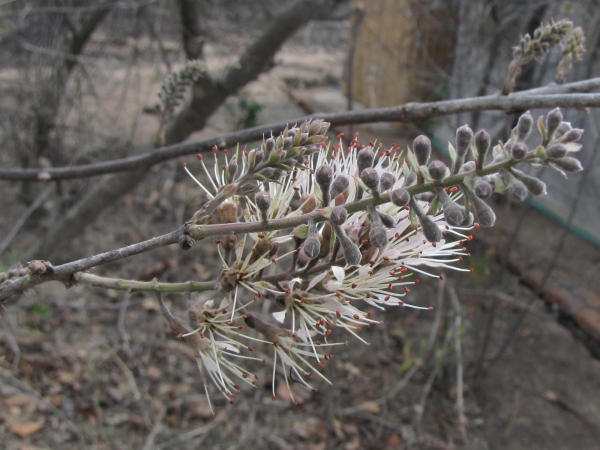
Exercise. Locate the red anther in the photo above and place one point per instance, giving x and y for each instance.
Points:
(260, 295)
(387, 297)
(393, 144)
(341, 135)
(417, 281)
(390, 286)
(393, 272)
(388, 153)
(356, 134)
(236, 387)
(407, 239)
(476, 225)
(447, 227)
(230, 322)
(471, 270)
(320, 364)
(400, 278)
(354, 285)
(386, 258)
(371, 143)
(470, 238)
(276, 343)
(403, 269)
(287, 291)
(244, 316)
(442, 277)
(395, 159)
(317, 325)
(406, 290)
(381, 154)
(380, 144)
(240, 327)
(295, 335)
(338, 314)
(314, 389)
(460, 259)
(296, 188)
(215, 149)
(464, 249)
(369, 315)
(201, 335)
(303, 300)
(323, 145)
(254, 250)
(184, 164)
(245, 152)
(370, 272)
(345, 343)
(180, 335)
(468, 254)
(453, 189)
(356, 316)
(424, 241)
(274, 398)
(326, 357)
(328, 332)
(242, 273)
(327, 323)
(331, 357)
(312, 171)
(218, 241)
(338, 293)
(294, 179)
(364, 241)
(367, 295)
(244, 375)
(199, 156)
(261, 236)
(397, 235)
(430, 308)
(371, 262)
(274, 261)
(407, 208)
(226, 151)
(250, 349)
(434, 244)
(400, 303)
(224, 311)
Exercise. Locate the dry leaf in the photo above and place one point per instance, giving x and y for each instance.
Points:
(17, 400)
(23, 429)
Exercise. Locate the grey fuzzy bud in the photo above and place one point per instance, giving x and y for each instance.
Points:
(467, 167)
(463, 139)
(324, 176)
(519, 150)
(422, 149)
(482, 188)
(469, 219)
(387, 220)
(233, 168)
(378, 236)
(563, 129)
(364, 159)
(247, 187)
(270, 145)
(311, 247)
(303, 138)
(573, 135)
(371, 178)
(568, 163)
(534, 185)
(262, 200)
(518, 190)
(351, 252)
(339, 185)
(338, 215)
(556, 151)
(410, 178)
(553, 121)
(386, 181)
(430, 230)
(259, 157)
(453, 214)
(524, 126)
(287, 142)
(437, 170)
(267, 172)
(482, 144)
(425, 197)
(485, 214)
(290, 162)
(400, 197)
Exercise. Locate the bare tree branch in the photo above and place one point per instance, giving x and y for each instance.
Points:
(142, 286)
(410, 112)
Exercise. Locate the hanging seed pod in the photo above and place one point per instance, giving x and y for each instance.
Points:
(422, 149)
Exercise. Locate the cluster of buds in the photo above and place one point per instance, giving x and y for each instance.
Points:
(175, 86)
(365, 222)
(545, 38)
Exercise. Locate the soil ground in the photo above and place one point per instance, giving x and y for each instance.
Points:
(87, 368)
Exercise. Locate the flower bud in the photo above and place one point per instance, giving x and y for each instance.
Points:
(386, 181)
(400, 197)
(519, 150)
(410, 178)
(430, 230)
(262, 200)
(563, 129)
(556, 151)
(287, 142)
(247, 187)
(437, 170)
(485, 214)
(233, 168)
(339, 185)
(454, 214)
(378, 236)
(364, 159)
(463, 139)
(338, 215)
(259, 156)
(467, 167)
(267, 172)
(553, 121)
(387, 220)
(482, 144)
(312, 246)
(270, 144)
(371, 179)
(518, 190)
(573, 135)
(534, 185)
(425, 197)
(351, 252)
(422, 149)
(482, 188)
(568, 163)
(523, 126)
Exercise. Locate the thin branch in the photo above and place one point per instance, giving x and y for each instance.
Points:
(142, 286)
(64, 272)
(410, 112)
(460, 404)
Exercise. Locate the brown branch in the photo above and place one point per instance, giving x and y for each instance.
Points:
(143, 286)
(410, 112)
(42, 272)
